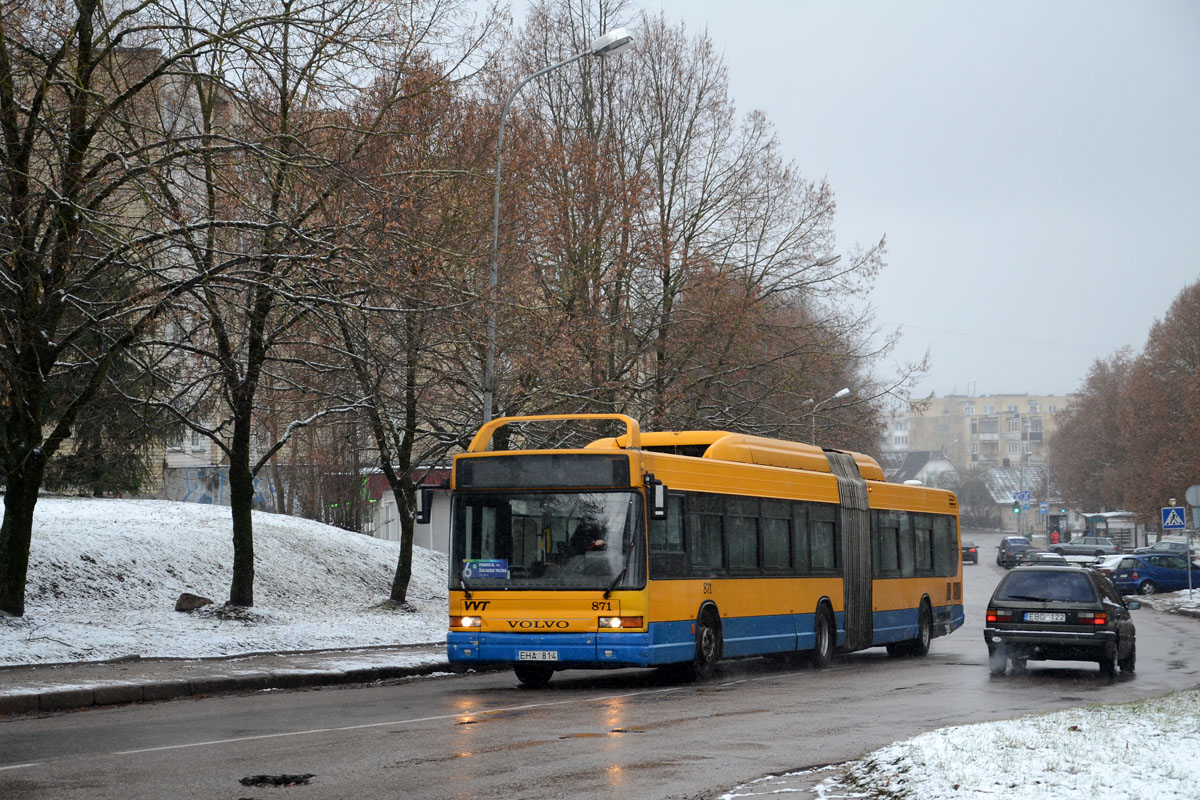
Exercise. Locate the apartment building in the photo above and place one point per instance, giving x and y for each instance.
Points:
(999, 430)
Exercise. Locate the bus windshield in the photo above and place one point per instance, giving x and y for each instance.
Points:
(547, 540)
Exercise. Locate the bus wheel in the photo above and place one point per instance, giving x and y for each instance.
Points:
(708, 648)
(535, 676)
(920, 645)
(822, 654)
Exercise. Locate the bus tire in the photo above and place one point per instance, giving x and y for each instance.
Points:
(535, 676)
(920, 645)
(708, 647)
(825, 638)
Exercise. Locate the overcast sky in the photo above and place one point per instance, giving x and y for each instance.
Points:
(1034, 165)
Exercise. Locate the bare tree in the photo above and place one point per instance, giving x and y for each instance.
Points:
(292, 90)
(677, 268)
(1087, 452)
(398, 335)
(96, 116)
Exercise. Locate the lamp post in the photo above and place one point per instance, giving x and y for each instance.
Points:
(609, 44)
(841, 393)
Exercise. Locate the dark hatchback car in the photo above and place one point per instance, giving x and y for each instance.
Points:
(1059, 613)
(1010, 549)
(970, 553)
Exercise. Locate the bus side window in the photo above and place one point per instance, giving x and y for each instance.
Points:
(803, 561)
(706, 537)
(822, 532)
(911, 562)
(667, 556)
(776, 535)
(887, 543)
(945, 546)
(741, 533)
(923, 527)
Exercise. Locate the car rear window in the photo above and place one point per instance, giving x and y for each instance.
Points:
(1066, 587)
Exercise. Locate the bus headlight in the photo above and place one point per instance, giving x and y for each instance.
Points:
(465, 622)
(614, 623)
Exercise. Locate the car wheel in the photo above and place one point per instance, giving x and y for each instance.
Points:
(1147, 587)
(1058, 550)
(997, 660)
(1129, 662)
(535, 676)
(1100, 554)
(822, 654)
(1108, 663)
(708, 648)
(1018, 665)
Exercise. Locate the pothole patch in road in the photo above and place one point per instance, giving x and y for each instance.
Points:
(608, 733)
(277, 780)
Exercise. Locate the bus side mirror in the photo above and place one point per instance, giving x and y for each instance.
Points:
(656, 497)
(424, 506)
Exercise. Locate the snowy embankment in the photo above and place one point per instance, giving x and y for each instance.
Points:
(104, 576)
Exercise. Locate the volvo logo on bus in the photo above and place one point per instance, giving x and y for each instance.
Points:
(539, 624)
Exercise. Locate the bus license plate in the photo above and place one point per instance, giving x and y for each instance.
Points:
(537, 655)
(1045, 616)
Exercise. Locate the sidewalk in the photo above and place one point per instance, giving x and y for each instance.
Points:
(57, 687)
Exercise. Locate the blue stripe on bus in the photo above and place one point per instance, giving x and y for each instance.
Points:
(675, 642)
(577, 648)
(895, 626)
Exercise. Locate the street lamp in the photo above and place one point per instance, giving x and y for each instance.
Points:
(609, 44)
(841, 393)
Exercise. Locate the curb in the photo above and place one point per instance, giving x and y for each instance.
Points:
(117, 693)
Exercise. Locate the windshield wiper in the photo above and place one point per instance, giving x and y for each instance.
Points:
(616, 580)
(466, 588)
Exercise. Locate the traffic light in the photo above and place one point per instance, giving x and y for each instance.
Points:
(1062, 511)
(1016, 508)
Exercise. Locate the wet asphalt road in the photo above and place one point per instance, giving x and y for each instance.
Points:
(604, 735)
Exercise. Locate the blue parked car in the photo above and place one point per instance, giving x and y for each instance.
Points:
(1147, 574)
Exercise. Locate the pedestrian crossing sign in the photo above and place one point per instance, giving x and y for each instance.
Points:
(1172, 519)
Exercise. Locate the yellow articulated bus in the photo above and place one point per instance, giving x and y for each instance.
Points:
(678, 549)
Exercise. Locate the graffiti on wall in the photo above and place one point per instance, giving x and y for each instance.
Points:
(210, 485)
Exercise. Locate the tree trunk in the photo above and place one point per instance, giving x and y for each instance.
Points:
(20, 497)
(403, 489)
(241, 502)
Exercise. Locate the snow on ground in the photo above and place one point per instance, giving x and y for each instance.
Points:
(1146, 750)
(104, 576)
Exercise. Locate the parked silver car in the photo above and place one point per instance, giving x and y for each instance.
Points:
(1087, 546)
(1168, 548)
